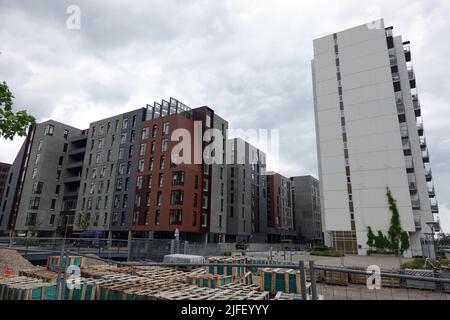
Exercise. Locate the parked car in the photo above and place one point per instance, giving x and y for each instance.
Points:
(91, 238)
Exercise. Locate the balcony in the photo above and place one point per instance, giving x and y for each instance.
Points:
(409, 166)
(407, 50)
(392, 57)
(417, 223)
(423, 143)
(415, 203)
(416, 105)
(411, 75)
(78, 151)
(75, 179)
(428, 175)
(431, 191)
(395, 76)
(425, 156)
(419, 126)
(74, 165)
(406, 144)
(412, 187)
(434, 205)
(70, 194)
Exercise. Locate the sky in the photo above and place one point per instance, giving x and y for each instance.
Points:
(249, 60)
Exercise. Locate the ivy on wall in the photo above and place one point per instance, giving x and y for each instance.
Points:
(397, 240)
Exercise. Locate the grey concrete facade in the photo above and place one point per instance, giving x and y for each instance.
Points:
(306, 209)
(247, 205)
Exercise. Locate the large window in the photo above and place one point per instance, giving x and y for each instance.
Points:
(166, 128)
(164, 145)
(176, 197)
(178, 178)
(175, 216)
(49, 130)
(204, 219)
(144, 133)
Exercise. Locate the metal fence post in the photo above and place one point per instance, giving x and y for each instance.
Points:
(301, 265)
(312, 272)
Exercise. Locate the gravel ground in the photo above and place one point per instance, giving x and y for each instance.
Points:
(11, 260)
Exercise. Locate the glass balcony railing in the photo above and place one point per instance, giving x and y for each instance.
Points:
(431, 191)
(434, 205)
(411, 74)
(425, 156)
(428, 174)
(389, 33)
(415, 204)
(412, 187)
(423, 142)
(406, 144)
(419, 126)
(409, 164)
(417, 223)
(395, 76)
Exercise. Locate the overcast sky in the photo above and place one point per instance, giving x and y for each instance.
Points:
(249, 60)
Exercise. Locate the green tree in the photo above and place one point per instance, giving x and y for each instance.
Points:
(83, 221)
(404, 241)
(12, 123)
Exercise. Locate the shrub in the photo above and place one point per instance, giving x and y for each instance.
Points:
(226, 253)
(326, 253)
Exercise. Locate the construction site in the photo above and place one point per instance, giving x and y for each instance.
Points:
(237, 275)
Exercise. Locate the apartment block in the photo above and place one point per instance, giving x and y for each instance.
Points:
(4, 169)
(370, 137)
(247, 192)
(306, 209)
(108, 176)
(280, 216)
(39, 190)
(178, 189)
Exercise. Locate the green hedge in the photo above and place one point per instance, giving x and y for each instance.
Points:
(326, 253)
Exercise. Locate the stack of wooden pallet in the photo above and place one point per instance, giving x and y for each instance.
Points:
(54, 262)
(105, 270)
(284, 280)
(40, 273)
(336, 278)
(24, 288)
(201, 278)
(161, 272)
(320, 275)
(223, 293)
(358, 278)
(227, 266)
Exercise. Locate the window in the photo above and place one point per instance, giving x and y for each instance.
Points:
(121, 168)
(52, 220)
(205, 202)
(141, 165)
(121, 153)
(39, 146)
(125, 123)
(195, 199)
(123, 138)
(100, 143)
(158, 199)
(196, 182)
(208, 121)
(166, 126)
(103, 172)
(34, 203)
(60, 161)
(137, 200)
(154, 130)
(221, 172)
(130, 151)
(136, 217)
(58, 175)
(37, 187)
(157, 217)
(38, 157)
(194, 219)
(129, 167)
(133, 136)
(147, 199)
(204, 219)
(178, 178)
(101, 130)
(161, 163)
(161, 177)
(142, 149)
(113, 138)
(66, 134)
(164, 145)
(205, 185)
(119, 184)
(152, 147)
(139, 182)
(31, 219)
(144, 134)
(175, 216)
(48, 130)
(150, 167)
(125, 201)
(65, 147)
(149, 181)
(58, 189)
(34, 174)
(133, 124)
(98, 158)
(94, 173)
(176, 197)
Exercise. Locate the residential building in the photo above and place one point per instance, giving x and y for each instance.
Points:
(109, 174)
(280, 218)
(306, 209)
(4, 169)
(38, 182)
(370, 137)
(247, 193)
(178, 189)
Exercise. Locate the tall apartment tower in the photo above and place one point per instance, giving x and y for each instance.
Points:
(109, 174)
(280, 217)
(37, 179)
(306, 208)
(247, 192)
(177, 189)
(370, 137)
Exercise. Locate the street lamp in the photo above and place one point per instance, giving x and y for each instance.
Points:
(433, 226)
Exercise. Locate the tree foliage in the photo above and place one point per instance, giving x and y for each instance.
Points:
(12, 123)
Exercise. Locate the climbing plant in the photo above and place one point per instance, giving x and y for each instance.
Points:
(397, 240)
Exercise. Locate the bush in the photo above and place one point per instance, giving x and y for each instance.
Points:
(320, 248)
(226, 253)
(326, 253)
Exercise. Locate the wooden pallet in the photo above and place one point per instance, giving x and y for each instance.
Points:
(227, 266)
(281, 280)
(336, 278)
(105, 270)
(25, 288)
(209, 280)
(54, 262)
(42, 274)
(195, 293)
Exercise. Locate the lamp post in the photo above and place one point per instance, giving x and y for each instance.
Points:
(433, 226)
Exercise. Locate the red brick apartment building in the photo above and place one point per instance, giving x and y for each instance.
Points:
(188, 197)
